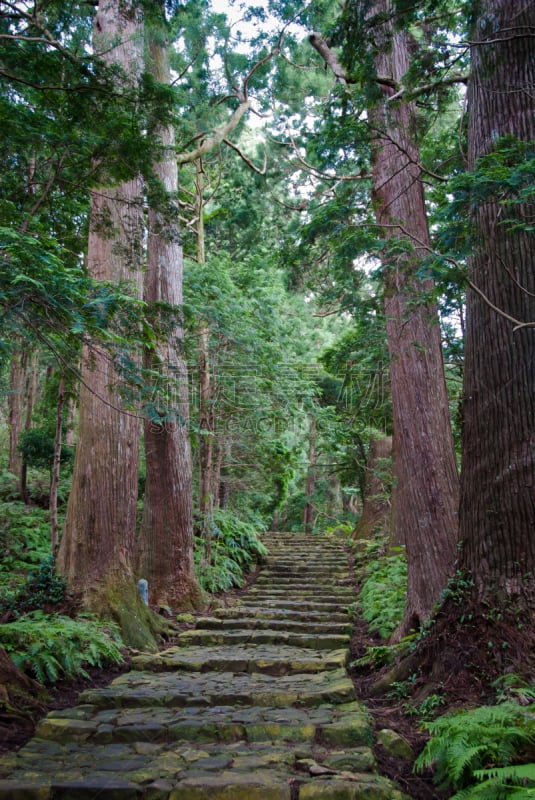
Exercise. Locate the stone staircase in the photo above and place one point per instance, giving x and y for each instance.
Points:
(253, 704)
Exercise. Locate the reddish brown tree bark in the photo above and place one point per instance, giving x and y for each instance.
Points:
(426, 492)
(167, 527)
(377, 509)
(497, 512)
(425, 472)
(97, 548)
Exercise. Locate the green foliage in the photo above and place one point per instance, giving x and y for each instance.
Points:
(36, 447)
(51, 646)
(43, 588)
(476, 751)
(235, 545)
(382, 597)
(24, 538)
(427, 709)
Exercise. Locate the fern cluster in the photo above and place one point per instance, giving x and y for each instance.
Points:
(382, 597)
(50, 646)
(235, 545)
(480, 752)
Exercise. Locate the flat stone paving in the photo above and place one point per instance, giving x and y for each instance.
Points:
(253, 704)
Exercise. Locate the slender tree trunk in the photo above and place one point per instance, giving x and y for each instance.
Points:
(206, 401)
(308, 511)
(206, 394)
(17, 383)
(497, 512)
(97, 548)
(56, 463)
(377, 510)
(424, 459)
(167, 525)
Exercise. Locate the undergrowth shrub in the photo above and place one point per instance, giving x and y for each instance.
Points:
(480, 752)
(24, 543)
(235, 545)
(50, 646)
(42, 589)
(381, 600)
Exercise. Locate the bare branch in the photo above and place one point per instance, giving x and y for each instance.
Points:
(247, 160)
(458, 77)
(317, 173)
(329, 56)
(219, 136)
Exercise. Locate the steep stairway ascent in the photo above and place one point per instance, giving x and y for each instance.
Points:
(253, 704)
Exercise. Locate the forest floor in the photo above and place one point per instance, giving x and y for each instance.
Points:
(387, 711)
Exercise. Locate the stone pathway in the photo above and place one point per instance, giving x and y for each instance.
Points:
(254, 704)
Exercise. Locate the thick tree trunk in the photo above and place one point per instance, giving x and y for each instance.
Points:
(497, 512)
(97, 547)
(167, 527)
(377, 510)
(424, 458)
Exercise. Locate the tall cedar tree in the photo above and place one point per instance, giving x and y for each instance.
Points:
(497, 512)
(425, 497)
(97, 548)
(167, 527)
(426, 481)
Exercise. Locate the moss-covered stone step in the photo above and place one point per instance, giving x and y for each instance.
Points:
(244, 622)
(177, 690)
(275, 660)
(44, 770)
(296, 605)
(310, 639)
(303, 585)
(335, 725)
(300, 579)
(295, 614)
(343, 598)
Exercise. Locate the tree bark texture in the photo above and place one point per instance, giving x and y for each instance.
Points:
(167, 527)
(426, 492)
(97, 548)
(56, 466)
(497, 512)
(376, 510)
(206, 393)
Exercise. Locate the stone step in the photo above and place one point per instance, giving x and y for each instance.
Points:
(275, 660)
(302, 606)
(302, 582)
(254, 703)
(262, 613)
(257, 623)
(282, 578)
(45, 770)
(311, 639)
(321, 572)
(336, 592)
(177, 690)
(345, 725)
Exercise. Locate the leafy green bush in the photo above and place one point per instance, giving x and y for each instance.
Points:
(50, 646)
(479, 752)
(235, 545)
(43, 587)
(382, 597)
(24, 544)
